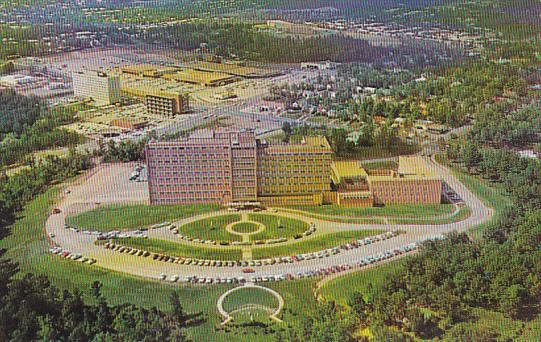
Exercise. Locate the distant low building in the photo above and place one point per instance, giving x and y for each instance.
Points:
(318, 66)
(528, 154)
(17, 80)
(130, 124)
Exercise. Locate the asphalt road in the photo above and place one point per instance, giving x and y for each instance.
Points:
(107, 187)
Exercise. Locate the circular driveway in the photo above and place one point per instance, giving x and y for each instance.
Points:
(108, 184)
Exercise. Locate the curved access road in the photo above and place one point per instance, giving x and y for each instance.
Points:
(109, 185)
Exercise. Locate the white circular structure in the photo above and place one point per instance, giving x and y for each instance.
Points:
(273, 313)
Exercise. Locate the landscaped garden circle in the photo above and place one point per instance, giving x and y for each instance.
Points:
(211, 228)
(246, 227)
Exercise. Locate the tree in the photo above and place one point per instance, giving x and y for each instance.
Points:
(286, 128)
(328, 323)
(360, 307)
(471, 156)
(467, 333)
(512, 300)
(178, 310)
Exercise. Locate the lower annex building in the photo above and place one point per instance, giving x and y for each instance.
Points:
(235, 168)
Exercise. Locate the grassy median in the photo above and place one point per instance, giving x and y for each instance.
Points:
(388, 210)
(119, 217)
(212, 228)
(181, 249)
(277, 226)
(314, 244)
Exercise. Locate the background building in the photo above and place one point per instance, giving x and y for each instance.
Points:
(101, 87)
(166, 104)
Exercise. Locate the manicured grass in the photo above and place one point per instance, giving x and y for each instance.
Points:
(181, 249)
(312, 244)
(388, 210)
(212, 228)
(463, 213)
(341, 219)
(28, 245)
(341, 289)
(277, 226)
(252, 315)
(245, 227)
(249, 295)
(118, 217)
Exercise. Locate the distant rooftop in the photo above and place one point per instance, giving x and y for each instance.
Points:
(311, 144)
(410, 168)
(347, 169)
(414, 165)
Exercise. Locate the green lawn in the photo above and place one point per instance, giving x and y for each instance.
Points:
(245, 227)
(118, 217)
(181, 249)
(341, 289)
(312, 244)
(211, 228)
(462, 214)
(249, 295)
(388, 210)
(277, 226)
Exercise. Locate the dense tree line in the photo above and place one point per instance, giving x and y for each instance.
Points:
(433, 294)
(18, 189)
(17, 112)
(499, 127)
(124, 151)
(31, 309)
(28, 125)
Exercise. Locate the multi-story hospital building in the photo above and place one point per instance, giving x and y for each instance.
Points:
(235, 168)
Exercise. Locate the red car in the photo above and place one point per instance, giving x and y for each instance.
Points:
(248, 270)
